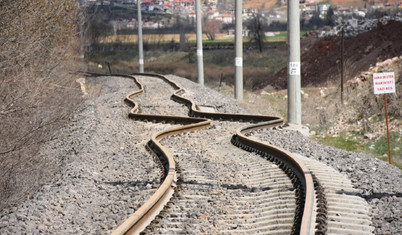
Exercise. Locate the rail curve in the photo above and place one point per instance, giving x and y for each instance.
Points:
(301, 176)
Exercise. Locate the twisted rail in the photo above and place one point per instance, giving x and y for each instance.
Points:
(296, 170)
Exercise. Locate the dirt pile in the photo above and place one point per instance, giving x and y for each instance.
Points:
(321, 63)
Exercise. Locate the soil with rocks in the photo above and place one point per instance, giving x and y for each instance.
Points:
(321, 60)
(106, 174)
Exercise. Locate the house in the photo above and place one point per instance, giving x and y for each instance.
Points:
(226, 18)
(131, 24)
(187, 4)
(245, 32)
(211, 15)
(192, 14)
(151, 25)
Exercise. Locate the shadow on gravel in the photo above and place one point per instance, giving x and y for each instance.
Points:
(245, 188)
(380, 195)
(230, 186)
(370, 196)
(132, 183)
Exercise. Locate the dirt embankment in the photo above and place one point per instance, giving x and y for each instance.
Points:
(321, 63)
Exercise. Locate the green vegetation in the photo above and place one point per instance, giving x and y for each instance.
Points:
(381, 146)
(218, 64)
(281, 37)
(377, 148)
(342, 143)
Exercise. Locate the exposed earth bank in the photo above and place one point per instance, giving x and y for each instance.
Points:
(321, 60)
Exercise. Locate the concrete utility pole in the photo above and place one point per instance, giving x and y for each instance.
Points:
(82, 21)
(294, 83)
(200, 62)
(239, 52)
(140, 50)
(342, 63)
(82, 40)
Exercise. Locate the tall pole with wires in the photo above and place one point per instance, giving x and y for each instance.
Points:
(140, 45)
(200, 62)
(294, 83)
(239, 52)
(342, 62)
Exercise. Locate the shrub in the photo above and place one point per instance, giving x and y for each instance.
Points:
(37, 90)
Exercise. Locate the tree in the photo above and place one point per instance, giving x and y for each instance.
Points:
(316, 22)
(257, 26)
(211, 27)
(98, 25)
(331, 16)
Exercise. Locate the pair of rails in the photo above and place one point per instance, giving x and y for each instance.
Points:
(307, 216)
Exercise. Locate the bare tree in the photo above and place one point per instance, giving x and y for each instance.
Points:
(211, 27)
(257, 26)
(38, 50)
(98, 25)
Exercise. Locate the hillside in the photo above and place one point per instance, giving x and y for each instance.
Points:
(321, 63)
(359, 2)
(257, 4)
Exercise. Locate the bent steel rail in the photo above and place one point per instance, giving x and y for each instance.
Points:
(304, 221)
(304, 216)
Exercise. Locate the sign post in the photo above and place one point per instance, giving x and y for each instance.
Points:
(384, 83)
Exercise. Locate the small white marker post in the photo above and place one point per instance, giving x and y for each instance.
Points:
(384, 83)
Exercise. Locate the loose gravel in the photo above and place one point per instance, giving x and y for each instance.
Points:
(223, 189)
(378, 182)
(106, 174)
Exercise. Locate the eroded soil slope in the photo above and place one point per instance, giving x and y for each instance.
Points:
(321, 63)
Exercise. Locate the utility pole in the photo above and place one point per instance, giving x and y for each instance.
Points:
(82, 38)
(342, 62)
(140, 47)
(294, 83)
(239, 52)
(200, 62)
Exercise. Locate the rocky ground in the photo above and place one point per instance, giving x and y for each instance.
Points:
(105, 172)
(104, 169)
(378, 182)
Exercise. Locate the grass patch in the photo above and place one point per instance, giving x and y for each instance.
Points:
(381, 145)
(281, 36)
(218, 64)
(377, 148)
(342, 143)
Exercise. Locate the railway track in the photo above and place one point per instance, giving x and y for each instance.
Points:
(276, 194)
(213, 180)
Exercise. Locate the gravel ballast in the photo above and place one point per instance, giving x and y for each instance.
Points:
(106, 174)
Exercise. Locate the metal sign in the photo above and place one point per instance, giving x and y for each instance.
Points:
(294, 68)
(384, 83)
